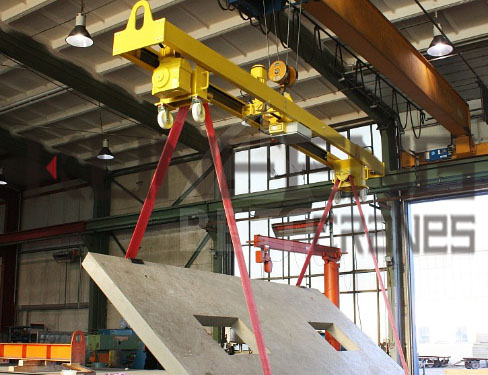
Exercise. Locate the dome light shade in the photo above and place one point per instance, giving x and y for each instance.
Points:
(105, 153)
(79, 36)
(3, 180)
(439, 47)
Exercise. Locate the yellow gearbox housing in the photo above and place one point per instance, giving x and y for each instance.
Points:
(350, 167)
(172, 78)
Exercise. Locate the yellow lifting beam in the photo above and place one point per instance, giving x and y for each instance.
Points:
(139, 45)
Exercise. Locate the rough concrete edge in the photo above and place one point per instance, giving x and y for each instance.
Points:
(131, 315)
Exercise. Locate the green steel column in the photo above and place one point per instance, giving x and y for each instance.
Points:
(9, 259)
(223, 253)
(395, 266)
(99, 243)
(389, 145)
(397, 251)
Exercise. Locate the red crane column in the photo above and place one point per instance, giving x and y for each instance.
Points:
(331, 277)
(330, 255)
(331, 291)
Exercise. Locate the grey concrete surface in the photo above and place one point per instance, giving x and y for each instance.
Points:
(168, 308)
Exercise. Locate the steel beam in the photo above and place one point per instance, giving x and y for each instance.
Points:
(37, 56)
(438, 178)
(274, 243)
(39, 233)
(368, 32)
(198, 250)
(441, 177)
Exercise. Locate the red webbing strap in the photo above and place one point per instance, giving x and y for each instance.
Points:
(156, 182)
(319, 230)
(236, 242)
(380, 280)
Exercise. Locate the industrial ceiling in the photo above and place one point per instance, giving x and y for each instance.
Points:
(69, 120)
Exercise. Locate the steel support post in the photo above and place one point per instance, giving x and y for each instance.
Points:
(331, 279)
(9, 257)
(400, 283)
(389, 145)
(391, 318)
(408, 295)
(99, 243)
(332, 291)
(394, 245)
(223, 254)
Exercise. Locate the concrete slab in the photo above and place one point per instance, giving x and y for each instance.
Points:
(168, 308)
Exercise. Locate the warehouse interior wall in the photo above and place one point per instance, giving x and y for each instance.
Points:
(56, 294)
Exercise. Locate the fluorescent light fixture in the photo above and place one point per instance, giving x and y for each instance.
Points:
(105, 153)
(79, 36)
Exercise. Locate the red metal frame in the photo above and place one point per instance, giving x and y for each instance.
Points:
(156, 182)
(380, 279)
(296, 247)
(330, 255)
(40, 233)
(328, 206)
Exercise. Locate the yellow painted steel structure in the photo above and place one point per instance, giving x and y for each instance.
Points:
(167, 51)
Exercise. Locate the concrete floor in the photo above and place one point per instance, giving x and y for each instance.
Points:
(101, 372)
(138, 372)
(439, 371)
(111, 371)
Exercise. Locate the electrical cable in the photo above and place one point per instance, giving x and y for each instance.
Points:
(298, 35)
(223, 7)
(72, 18)
(287, 34)
(256, 23)
(276, 34)
(267, 32)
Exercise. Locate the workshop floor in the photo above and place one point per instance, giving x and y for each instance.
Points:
(100, 372)
(439, 371)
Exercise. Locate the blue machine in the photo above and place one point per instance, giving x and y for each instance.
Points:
(439, 154)
(255, 8)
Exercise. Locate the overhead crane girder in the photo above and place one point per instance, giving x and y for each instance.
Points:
(362, 26)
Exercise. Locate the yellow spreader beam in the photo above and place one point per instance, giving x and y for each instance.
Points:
(133, 42)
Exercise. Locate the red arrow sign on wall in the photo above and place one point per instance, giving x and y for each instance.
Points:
(52, 167)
